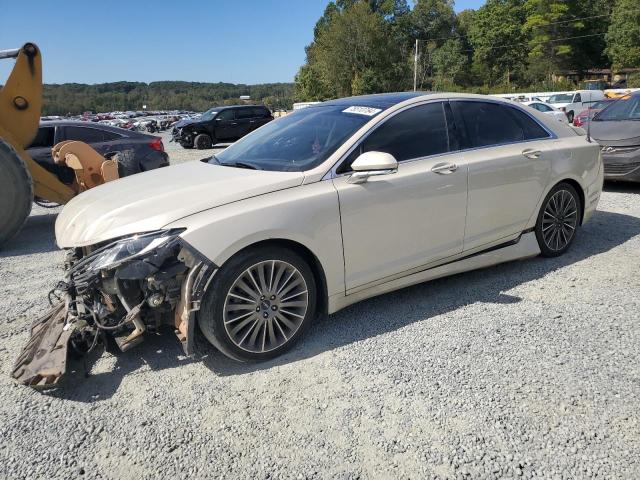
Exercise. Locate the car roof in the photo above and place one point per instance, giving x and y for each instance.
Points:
(378, 100)
(228, 107)
(97, 125)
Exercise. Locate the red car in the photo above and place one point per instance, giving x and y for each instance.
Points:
(583, 117)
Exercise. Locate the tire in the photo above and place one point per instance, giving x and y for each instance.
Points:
(558, 220)
(202, 141)
(570, 116)
(248, 323)
(16, 192)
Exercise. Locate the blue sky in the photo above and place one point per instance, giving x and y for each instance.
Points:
(95, 41)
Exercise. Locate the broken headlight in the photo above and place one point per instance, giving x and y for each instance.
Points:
(131, 248)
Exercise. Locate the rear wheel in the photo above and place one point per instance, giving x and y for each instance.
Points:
(202, 141)
(16, 192)
(558, 220)
(260, 305)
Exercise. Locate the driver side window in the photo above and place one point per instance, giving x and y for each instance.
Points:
(414, 133)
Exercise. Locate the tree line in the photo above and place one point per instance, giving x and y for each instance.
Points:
(75, 98)
(368, 46)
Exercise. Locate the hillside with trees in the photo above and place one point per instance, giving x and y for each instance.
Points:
(367, 46)
(76, 98)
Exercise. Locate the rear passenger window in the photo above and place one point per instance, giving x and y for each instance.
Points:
(44, 138)
(245, 113)
(84, 134)
(109, 136)
(531, 129)
(260, 112)
(494, 124)
(417, 132)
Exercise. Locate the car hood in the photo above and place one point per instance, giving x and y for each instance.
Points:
(618, 133)
(184, 122)
(149, 201)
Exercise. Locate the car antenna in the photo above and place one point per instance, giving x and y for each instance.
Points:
(589, 124)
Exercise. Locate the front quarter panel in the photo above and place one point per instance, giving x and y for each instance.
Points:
(308, 215)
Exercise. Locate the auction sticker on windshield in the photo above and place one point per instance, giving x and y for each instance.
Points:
(368, 111)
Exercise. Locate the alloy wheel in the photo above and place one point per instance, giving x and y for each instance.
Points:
(265, 306)
(559, 220)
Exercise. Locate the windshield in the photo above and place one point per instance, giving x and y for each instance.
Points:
(626, 108)
(208, 115)
(561, 98)
(299, 141)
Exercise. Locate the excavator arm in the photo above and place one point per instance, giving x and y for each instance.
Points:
(20, 108)
(22, 178)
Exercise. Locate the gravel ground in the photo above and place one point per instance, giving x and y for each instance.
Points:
(528, 369)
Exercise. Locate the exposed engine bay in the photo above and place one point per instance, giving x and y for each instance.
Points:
(119, 289)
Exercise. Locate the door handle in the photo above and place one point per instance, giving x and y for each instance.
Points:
(444, 168)
(531, 153)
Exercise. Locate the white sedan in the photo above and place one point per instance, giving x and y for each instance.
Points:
(317, 210)
(548, 110)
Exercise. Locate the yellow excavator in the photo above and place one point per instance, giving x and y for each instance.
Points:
(22, 179)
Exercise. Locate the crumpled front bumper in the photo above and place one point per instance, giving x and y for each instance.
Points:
(43, 360)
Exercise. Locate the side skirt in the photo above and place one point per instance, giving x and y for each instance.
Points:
(524, 247)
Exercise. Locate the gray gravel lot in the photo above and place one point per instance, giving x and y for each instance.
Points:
(528, 369)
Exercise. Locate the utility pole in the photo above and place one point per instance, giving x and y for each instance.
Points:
(415, 68)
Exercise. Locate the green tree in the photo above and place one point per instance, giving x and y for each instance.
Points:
(590, 50)
(545, 25)
(623, 36)
(449, 62)
(432, 22)
(498, 41)
(352, 54)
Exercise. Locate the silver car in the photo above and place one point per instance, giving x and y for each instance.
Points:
(312, 212)
(617, 129)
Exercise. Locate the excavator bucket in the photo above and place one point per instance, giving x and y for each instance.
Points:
(91, 169)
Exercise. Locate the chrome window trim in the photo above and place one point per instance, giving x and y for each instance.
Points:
(332, 173)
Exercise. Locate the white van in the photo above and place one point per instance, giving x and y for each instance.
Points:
(572, 103)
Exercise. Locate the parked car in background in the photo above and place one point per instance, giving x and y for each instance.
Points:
(139, 152)
(548, 110)
(322, 208)
(617, 129)
(582, 118)
(572, 103)
(220, 124)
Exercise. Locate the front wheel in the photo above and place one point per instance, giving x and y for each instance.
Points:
(202, 141)
(558, 220)
(260, 304)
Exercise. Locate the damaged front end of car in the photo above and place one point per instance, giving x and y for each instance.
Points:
(122, 289)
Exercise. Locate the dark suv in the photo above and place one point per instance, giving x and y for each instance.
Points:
(220, 124)
(139, 152)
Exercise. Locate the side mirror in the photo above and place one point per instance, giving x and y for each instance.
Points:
(372, 164)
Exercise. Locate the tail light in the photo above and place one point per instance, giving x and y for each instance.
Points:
(157, 145)
(577, 122)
